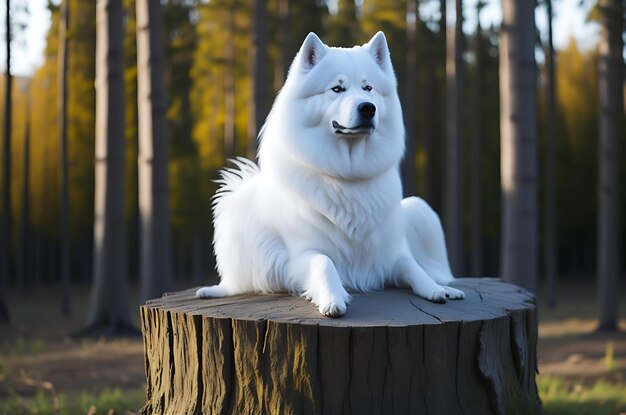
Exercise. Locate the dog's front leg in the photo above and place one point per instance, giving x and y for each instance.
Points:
(321, 284)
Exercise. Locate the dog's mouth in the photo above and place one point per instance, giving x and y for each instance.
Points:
(362, 129)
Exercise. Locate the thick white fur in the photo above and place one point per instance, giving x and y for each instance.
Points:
(323, 215)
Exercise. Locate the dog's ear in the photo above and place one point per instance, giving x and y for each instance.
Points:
(379, 50)
(312, 51)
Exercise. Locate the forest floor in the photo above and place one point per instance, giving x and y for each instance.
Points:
(43, 370)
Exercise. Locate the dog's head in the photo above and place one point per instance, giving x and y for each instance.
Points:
(338, 111)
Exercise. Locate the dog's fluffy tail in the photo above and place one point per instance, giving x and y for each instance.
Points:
(426, 240)
(249, 256)
(232, 178)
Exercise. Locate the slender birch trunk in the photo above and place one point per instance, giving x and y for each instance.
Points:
(429, 100)
(64, 230)
(477, 132)
(109, 309)
(550, 252)
(408, 165)
(5, 226)
(155, 272)
(23, 251)
(454, 194)
(282, 65)
(257, 110)
(230, 146)
(610, 79)
(518, 144)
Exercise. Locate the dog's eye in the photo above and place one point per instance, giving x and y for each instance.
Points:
(367, 88)
(338, 89)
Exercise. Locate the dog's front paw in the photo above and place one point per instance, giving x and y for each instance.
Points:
(333, 304)
(333, 309)
(437, 295)
(214, 291)
(453, 293)
(204, 292)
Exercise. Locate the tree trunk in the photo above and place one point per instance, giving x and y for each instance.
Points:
(611, 117)
(23, 252)
(429, 101)
(518, 144)
(391, 353)
(408, 164)
(64, 229)
(550, 213)
(109, 310)
(230, 147)
(257, 109)
(155, 264)
(5, 242)
(454, 204)
(130, 91)
(476, 188)
(284, 59)
(440, 144)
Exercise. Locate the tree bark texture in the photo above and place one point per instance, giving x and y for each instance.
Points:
(408, 105)
(257, 108)
(230, 145)
(155, 250)
(518, 144)
(551, 253)
(64, 201)
(283, 61)
(611, 115)
(429, 100)
(454, 194)
(109, 295)
(5, 225)
(476, 235)
(23, 256)
(392, 352)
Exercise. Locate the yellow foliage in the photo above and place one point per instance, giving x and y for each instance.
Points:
(577, 93)
(19, 118)
(44, 150)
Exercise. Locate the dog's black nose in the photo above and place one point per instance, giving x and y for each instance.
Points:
(367, 110)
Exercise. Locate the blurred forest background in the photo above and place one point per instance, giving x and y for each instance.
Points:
(224, 61)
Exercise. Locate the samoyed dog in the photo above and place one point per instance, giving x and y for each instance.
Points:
(322, 215)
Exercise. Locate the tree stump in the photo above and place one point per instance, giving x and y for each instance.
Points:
(392, 353)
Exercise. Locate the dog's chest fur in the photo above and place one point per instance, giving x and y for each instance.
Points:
(352, 208)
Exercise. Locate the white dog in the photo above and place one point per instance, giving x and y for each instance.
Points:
(323, 215)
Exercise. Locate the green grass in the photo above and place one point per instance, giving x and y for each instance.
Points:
(565, 398)
(558, 397)
(4, 369)
(23, 346)
(609, 356)
(46, 403)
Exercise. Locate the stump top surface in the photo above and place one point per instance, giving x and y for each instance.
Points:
(486, 298)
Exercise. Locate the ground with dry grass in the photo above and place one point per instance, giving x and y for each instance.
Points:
(43, 370)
